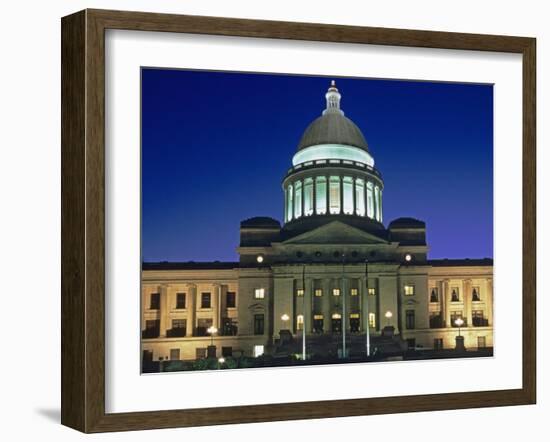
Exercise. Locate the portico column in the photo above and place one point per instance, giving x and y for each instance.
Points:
(216, 292)
(314, 202)
(467, 288)
(447, 301)
(489, 300)
(441, 299)
(164, 310)
(354, 191)
(341, 180)
(191, 303)
(326, 300)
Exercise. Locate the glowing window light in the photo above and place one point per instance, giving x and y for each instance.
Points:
(334, 152)
(334, 194)
(370, 201)
(372, 320)
(377, 202)
(321, 197)
(300, 322)
(360, 197)
(290, 203)
(348, 195)
(308, 196)
(298, 199)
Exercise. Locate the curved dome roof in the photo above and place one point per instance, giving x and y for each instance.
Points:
(333, 128)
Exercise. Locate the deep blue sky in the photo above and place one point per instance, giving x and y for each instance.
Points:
(216, 145)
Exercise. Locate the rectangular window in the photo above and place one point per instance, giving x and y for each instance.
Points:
(335, 292)
(259, 293)
(354, 322)
(372, 320)
(318, 292)
(348, 195)
(372, 291)
(259, 324)
(434, 296)
(321, 197)
(298, 199)
(154, 302)
(231, 300)
(206, 300)
(438, 344)
(409, 290)
(179, 323)
(475, 294)
(227, 352)
(409, 319)
(436, 320)
(454, 316)
(354, 292)
(370, 200)
(411, 343)
(174, 354)
(152, 329)
(300, 292)
(203, 324)
(318, 323)
(360, 197)
(334, 194)
(308, 196)
(258, 350)
(180, 300)
(478, 319)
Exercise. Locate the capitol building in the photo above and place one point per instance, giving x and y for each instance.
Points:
(332, 279)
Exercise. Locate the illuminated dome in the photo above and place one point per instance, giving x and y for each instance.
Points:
(333, 128)
(333, 136)
(333, 174)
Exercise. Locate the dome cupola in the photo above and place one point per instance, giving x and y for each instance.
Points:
(333, 172)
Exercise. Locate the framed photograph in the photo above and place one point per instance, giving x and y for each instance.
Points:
(268, 221)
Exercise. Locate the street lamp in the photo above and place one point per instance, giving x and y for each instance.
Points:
(212, 331)
(388, 316)
(367, 336)
(459, 322)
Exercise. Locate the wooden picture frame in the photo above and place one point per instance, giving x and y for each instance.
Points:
(83, 220)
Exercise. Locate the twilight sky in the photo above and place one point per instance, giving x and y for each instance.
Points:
(216, 145)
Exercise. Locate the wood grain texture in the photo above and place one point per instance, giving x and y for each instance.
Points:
(83, 220)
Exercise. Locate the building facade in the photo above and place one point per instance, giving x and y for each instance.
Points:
(332, 270)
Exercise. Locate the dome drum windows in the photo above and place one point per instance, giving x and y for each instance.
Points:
(334, 195)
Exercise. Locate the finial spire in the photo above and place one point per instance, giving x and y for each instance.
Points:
(333, 99)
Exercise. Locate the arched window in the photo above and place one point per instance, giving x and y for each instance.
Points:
(289, 202)
(308, 196)
(300, 322)
(360, 197)
(298, 199)
(334, 194)
(348, 195)
(370, 200)
(321, 197)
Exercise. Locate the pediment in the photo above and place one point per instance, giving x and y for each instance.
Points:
(335, 232)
